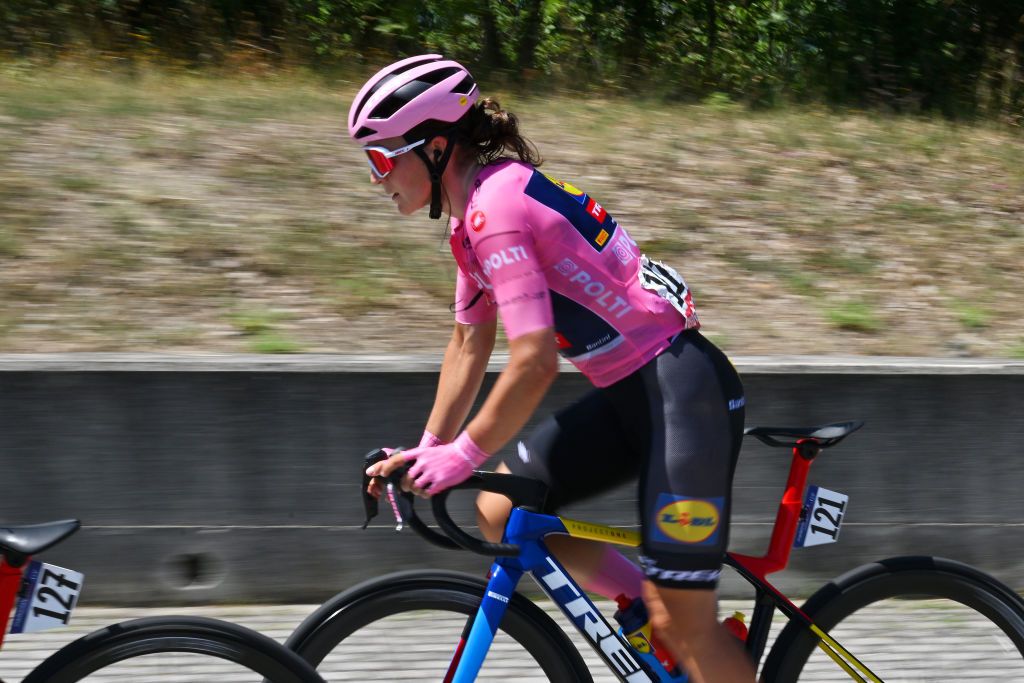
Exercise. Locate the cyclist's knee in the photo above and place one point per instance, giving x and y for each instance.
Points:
(492, 511)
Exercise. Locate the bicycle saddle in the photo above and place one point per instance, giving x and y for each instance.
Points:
(30, 539)
(825, 435)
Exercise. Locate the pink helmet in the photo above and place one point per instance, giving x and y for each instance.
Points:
(408, 93)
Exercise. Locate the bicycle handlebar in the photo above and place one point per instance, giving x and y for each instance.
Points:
(522, 491)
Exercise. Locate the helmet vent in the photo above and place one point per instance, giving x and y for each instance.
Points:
(377, 86)
(438, 75)
(398, 99)
(465, 86)
(363, 132)
(413, 65)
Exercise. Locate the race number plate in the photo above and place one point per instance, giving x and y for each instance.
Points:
(822, 516)
(47, 597)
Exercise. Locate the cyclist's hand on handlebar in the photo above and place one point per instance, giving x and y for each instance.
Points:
(440, 467)
(383, 469)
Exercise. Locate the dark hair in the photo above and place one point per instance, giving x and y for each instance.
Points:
(493, 133)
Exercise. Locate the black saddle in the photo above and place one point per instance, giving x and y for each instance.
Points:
(30, 539)
(824, 436)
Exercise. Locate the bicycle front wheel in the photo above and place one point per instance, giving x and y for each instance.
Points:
(919, 619)
(407, 627)
(174, 650)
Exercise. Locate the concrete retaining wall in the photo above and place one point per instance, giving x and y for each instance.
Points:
(235, 479)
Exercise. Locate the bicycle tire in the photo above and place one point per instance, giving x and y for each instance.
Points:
(160, 635)
(447, 591)
(989, 603)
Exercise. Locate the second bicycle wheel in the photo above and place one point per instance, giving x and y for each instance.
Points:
(406, 627)
(909, 620)
(174, 650)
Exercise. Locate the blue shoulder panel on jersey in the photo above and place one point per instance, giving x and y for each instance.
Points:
(584, 214)
(578, 329)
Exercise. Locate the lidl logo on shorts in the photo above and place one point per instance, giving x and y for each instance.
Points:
(682, 519)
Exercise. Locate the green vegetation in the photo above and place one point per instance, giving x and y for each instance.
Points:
(972, 316)
(959, 59)
(260, 327)
(855, 316)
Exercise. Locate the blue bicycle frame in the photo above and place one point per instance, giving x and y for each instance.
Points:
(527, 529)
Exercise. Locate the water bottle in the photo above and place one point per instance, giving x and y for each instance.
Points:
(636, 628)
(736, 625)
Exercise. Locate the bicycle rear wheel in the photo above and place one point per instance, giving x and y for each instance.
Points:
(173, 650)
(919, 619)
(406, 627)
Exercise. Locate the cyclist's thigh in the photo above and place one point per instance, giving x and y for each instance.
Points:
(695, 404)
(580, 451)
(492, 510)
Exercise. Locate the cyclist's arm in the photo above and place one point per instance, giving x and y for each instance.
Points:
(462, 373)
(532, 367)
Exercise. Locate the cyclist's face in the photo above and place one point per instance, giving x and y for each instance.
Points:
(408, 184)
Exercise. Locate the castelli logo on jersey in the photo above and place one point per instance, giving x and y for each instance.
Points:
(477, 220)
(688, 520)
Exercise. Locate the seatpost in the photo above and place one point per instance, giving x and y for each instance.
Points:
(788, 517)
(10, 580)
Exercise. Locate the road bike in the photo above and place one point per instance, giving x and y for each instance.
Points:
(46, 596)
(842, 632)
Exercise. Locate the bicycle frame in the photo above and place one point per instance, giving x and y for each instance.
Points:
(10, 581)
(526, 530)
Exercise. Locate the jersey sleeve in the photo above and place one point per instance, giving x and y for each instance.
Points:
(472, 306)
(509, 257)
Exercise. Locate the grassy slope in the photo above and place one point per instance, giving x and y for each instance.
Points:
(190, 213)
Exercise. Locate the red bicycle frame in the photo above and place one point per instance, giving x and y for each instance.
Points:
(10, 582)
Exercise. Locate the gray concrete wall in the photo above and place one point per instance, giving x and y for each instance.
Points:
(213, 479)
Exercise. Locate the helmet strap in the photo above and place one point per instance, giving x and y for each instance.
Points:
(436, 170)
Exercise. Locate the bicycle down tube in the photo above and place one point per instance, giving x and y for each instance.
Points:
(525, 530)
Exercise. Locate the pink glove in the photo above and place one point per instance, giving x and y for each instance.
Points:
(438, 468)
(429, 440)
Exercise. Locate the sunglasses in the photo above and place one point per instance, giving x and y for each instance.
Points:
(380, 158)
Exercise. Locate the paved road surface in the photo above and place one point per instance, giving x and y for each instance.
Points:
(924, 635)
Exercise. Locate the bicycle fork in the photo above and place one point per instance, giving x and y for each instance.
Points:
(480, 628)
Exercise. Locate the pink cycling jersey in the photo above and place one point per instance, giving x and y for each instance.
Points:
(544, 254)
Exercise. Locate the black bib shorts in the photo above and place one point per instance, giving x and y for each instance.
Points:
(675, 423)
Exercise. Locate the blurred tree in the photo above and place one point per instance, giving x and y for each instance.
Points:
(958, 57)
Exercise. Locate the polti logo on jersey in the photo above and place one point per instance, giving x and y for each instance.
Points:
(693, 521)
(585, 215)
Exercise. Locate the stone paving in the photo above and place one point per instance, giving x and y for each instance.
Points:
(919, 639)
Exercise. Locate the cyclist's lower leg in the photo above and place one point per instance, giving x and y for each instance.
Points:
(686, 620)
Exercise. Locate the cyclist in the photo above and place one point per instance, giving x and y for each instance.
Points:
(567, 279)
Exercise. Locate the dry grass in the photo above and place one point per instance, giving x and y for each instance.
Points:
(190, 213)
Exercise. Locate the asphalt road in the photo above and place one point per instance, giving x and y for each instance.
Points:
(922, 642)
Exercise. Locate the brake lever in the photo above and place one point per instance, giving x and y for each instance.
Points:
(371, 505)
(400, 505)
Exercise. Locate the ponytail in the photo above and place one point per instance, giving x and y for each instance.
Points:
(493, 133)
